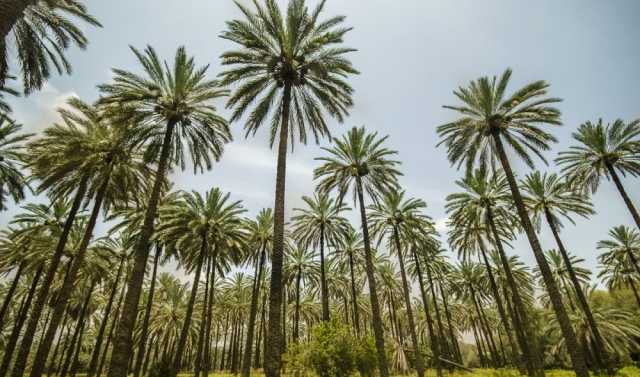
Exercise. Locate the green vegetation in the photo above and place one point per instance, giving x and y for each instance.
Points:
(314, 294)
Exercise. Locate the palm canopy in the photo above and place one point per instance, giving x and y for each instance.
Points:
(623, 245)
(259, 233)
(5, 108)
(322, 218)
(179, 97)
(289, 62)
(560, 271)
(358, 154)
(486, 110)
(40, 32)
(12, 180)
(602, 149)
(550, 193)
(394, 213)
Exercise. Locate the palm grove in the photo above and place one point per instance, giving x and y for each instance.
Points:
(266, 293)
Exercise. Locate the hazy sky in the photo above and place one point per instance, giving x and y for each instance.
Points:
(412, 54)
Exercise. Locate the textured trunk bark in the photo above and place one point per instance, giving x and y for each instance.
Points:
(54, 356)
(246, 359)
(435, 346)
(273, 353)
(9, 295)
(37, 368)
(207, 350)
(323, 279)
(296, 319)
(224, 343)
(452, 335)
(112, 328)
(43, 293)
(577, 358)
(623, 193)
(76, 337)
(147, 315)
(203, 323)
(444, 348)
(373, 294)
(354, 296)
(407, 303)
(484, 328)
(103, 325)
(123, 344)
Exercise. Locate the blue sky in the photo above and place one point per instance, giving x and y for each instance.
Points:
(411, 54)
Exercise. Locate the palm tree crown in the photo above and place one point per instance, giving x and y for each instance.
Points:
(12, 180)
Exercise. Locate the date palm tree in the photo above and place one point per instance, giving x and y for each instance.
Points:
(490, 118)
(359, 162)
(301, 268)
(173, 107)
(604, 150)
(320, 224)
(616, 273)
(397, 219)
(200, 227)
(549, 196)
(294, 69)
(40, 31)
(12, 180)
(350, 250)
(623, 245)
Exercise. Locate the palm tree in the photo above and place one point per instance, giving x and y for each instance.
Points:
(397, 219)
(109, 153)
(294, 68)
(301, 269)
(172, 106)
(201, 227)
(12, 181)
(351, 246)
(259, 240)
(41, 31)
(359, 162)
(551, 197)
(488, 119)
(604, 151)
(616, 273)
(623, 245)
(321, 222)
(5, 108)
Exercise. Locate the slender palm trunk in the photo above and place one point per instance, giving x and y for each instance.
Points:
(147, 314)
(498, 299)
(18, 323)
(76, 337)
(207, 349)
(407, 302)
(435, 345)
(177, 362)
(246, 358)
(9, 295)
(43, 292)
(112, 328)
(323, 279)
(103, 325)
(37, 368)
(623, 193)
(452, 335)
(123, 344)
(532, 357)
(373, 293)
(476, 337)
(577, 358)
(484, 327)
(224, 342)
(273, 352)
(354, 296)
(203, 322)
(54, 356)
(444, 348)
(296, 319)
(261, 331)
(601, 352)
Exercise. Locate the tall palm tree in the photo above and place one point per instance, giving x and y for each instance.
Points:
(321, 222)
(294, 69)
(397, 219)
(604, 151)
(12, 180)
(350, 250)
(623, 245)
(616, 273)
(111, 156)
(200, 227)
(549, 196)
(260, 241)
(489, 118)
(173, 108)
(40, 31)
(359, 162)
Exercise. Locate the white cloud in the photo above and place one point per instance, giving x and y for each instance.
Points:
(39, 110)
(441, 225)
(258, 157)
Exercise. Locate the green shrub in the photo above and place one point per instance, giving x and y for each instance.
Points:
(162, 368)
(331, 350)
(365, 356)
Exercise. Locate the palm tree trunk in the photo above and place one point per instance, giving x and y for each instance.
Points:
(177, 362)
(498, 299)
(296, 319)
(452, 335)
(484, 327)
(323, 279)
(407, 303)
(76, 337)
(255, 295)
(112, 328)
(623, 193)
(532, 358)
(18, 323)
(577, 358)
(224, 342)
(635, 291)
(373, 294)
(273, 353)
(354, 296)
(43, 293)
(261, 331)
(123, 344)
(9, 295)
(476, 337)
(207, 350)
(105, 319)
(54, 356)
(203, 322)
(444, 348)
(435, 345)
(600, 351)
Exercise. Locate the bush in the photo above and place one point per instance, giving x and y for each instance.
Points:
(162, 368)
(332, 350)
(365, 356)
